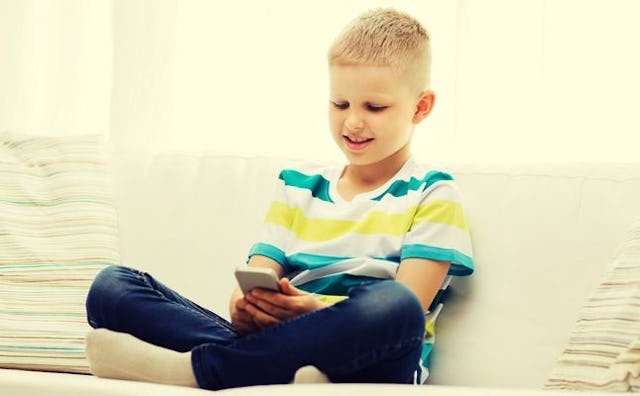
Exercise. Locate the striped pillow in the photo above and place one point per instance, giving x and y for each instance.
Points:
(57, 229)
(603, 352)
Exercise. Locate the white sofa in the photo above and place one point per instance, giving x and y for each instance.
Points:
(543, 234)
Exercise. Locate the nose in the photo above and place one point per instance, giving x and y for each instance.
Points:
(353, 122)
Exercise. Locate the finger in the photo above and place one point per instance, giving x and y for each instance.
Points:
(261, 318)
(243, 316)
(268, 307)
(282, 300)
(288, 288)
(266, 296)
(241, 304)
(245, 327)
(242, 319)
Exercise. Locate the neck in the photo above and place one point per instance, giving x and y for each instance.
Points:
(380, 172)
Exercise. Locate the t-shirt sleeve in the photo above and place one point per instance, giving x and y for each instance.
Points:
(439, 230)
(272, 240)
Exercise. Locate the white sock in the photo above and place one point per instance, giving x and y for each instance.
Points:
(123, 356)
(310, 375)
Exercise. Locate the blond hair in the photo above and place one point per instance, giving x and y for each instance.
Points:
(385, 37)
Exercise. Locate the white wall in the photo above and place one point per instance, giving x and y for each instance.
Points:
(548, 80)
(55, 66)
(532, 80)
(252, 75)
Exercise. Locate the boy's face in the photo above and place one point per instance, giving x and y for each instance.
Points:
(372, 112)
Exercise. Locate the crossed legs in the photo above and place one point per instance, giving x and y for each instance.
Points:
(159, 336)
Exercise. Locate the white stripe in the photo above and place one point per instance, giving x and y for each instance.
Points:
(317, 208)
(348, 245)
(357, 266)
(371, 245)
(440, 235)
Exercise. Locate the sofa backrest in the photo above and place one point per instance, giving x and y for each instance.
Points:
(542, 234)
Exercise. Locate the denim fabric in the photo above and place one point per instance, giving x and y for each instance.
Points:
(374, 336)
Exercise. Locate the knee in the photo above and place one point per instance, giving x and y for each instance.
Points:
(106, 289)
(394, 303)
(108, 282)
(404, 305)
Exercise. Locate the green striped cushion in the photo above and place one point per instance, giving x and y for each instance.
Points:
(57, 229)
(603, 352)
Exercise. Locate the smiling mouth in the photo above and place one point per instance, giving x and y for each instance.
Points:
(356, 143)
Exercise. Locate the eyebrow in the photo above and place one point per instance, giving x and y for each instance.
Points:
(367, 99)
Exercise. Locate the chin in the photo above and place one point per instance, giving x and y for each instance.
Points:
(360, 161)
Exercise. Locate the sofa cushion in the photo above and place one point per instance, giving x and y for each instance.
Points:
(57, 229)
(603, 351)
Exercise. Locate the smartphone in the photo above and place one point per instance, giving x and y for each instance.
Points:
(252, 277)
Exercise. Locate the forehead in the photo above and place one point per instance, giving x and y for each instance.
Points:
(366, 81)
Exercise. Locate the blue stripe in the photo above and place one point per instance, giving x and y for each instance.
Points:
(90, 264)
(461, 264)
(427, 347)
(318, 185)
(40, 347)
(306, 261)
(336, 285)
(267, 250)
(425, 362)
(401, 188)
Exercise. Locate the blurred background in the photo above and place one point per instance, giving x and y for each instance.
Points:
(526, 80)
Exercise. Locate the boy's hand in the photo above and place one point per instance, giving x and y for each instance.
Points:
(267, 307)
(241, 319)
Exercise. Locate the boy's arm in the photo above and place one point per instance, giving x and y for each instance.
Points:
(424, 277)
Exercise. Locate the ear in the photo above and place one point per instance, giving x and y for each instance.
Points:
(424, 106)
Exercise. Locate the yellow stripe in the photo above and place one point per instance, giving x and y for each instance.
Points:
(442, 212)
(328, 299)
(310, 229)
(280, 213)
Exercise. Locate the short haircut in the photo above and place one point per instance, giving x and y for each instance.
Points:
(385, 37)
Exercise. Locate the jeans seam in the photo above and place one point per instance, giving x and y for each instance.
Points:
(409, 342)
(144, 278)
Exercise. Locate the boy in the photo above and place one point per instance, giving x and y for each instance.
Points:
(362, 251)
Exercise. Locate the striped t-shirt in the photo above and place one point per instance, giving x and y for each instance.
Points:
(327, 245)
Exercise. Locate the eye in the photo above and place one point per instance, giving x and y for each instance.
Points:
(374, 108)
(341, 105)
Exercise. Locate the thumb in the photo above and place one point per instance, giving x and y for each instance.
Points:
(288, 288)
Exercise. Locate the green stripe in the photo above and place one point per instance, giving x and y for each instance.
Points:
(55, 265)
(64, 231)
(267, 250)
(336, 285)
(318, 185)
(401, 188)
(48, 314)
(92, 171)
(305, 261)
(461, 264)
(54, 202)
(18, 347)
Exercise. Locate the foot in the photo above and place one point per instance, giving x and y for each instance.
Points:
(310, 375)
(123, 356)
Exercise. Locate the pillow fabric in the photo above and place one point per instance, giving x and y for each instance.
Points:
(603, 352)
(58, 228)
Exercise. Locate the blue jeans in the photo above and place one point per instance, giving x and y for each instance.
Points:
(373, 336)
